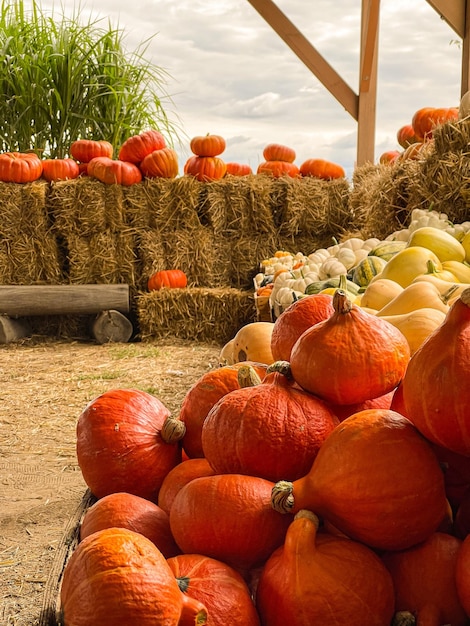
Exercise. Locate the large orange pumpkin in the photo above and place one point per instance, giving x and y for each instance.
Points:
(279, 152)
(321, 168)
(238, 169)
(436, 392)
(114, 172)
(318, 578)
(276, 169)
(60, 169)
(117, 576)
(350, 482)
(272, 429)
(219, 587)
(120, 445)
(205, 168)
(161, 163)
(20, 167)
(84, 150)
(207, 145)
(406, 136)
(135, 148)
(170, 279)
(178, 477)
(350, 357)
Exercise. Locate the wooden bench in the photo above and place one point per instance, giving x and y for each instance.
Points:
(108, 303)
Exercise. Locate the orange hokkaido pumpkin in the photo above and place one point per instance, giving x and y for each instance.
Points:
(207, 145)
(59, 169)
(424, 581)
(205, 168)
(349, 482)
(135, 148)
(84, 150)
(276, 169)
(125, 580)
(125, 510)
(178, 477)
(120, 446)
(228, 517)
(272, 429)
(319, 578)
(170, 279)
(219, 587)
(20, 167)
(161, 163)
(423, 123)
(342, 411)
(350, 357)
(114, 172)
(279, 152)
(320, 168)
(436, 392)
(297, 318)
(202, 396)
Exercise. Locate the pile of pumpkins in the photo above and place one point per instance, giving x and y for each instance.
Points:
(322, 480)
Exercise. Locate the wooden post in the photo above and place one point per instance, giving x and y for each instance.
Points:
(111, 327)
(12, 330)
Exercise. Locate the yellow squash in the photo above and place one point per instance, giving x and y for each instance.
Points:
(380, 292)
(421, 294)
(417, 325)
(444, 245)
(408, 263)
(460, 270)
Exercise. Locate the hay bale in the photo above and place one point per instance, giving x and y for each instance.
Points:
(200, 314)
(452, 137)
(137, 208)
(78, 206)
(174, 204)
(246, 255)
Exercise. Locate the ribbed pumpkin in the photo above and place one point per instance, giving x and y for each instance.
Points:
(273, 429)
(178, 477)
(202, 396)
(424, 581)
(297, 318)
(161, 163)
(228, 517)
(376, 479)
(125, 510)
(276, 169)
(59, 169)
(207, 145)
(318, 578)
(83, 150)
(436, 392)
(279, 152)
(205, 168)
(350, 357)
(366, 269)
(125, 580)
(114, 171)
(320, 168)
(219, 587)
(120, 446)
(135, 148)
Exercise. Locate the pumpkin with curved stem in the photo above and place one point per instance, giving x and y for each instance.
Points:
(349, 482)
(279, 152)
(272, 429)
(120, 446)
(321, 168)
(424, 581)
(329, 359)
(170, 279)
(161, 163)
(125, 510)
(205, 168)
(178, 477)
(135, 148)
(114, 172)
(20, 167)
(126, 580)
(219, 587)
(59, 169)
(203, 395)
(319, 578)
(228, 517)
(437, 397)
(84, 150)
(297, 318)
(207, 145)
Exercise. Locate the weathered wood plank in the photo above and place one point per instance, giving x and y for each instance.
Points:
(111, 327)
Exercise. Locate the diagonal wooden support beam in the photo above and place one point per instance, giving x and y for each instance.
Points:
(453, 12)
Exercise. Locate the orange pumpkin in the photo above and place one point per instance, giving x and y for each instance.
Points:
(20, 167)
(59, 169)
(279, 152)
(424, 581)
(178, 477)
(207, 145)
(169, 279)
(320, 168)
(278, 169)
(319, 578)
(462, 574)
(423, 123)
(350, 357)
(272, 429)
(436, 392)
(228, 517)
(126, 510)
(238, 169)
(114, 172)
(205, 168)
(389, 157)
(406, 136)
(125, 579)
(135, 148)
(120, 446)
(161, 163)
(219, 587)
(84, 150)
(349, 482)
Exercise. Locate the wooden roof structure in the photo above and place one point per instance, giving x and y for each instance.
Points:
(361, 105)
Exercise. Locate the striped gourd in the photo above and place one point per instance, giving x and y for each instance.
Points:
(386, 249)
(365, 271)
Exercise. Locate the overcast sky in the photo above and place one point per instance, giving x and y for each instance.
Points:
(230, 74)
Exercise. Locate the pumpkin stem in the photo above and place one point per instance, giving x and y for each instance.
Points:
(448, 294)
(282, 499)
(281, 367)
(193, 612)
(309, 515)
(403, 618)
(173, 430)
(465, 296)
(247, 376)
(341, 303)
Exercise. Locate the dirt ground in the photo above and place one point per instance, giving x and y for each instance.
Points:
(44, 386)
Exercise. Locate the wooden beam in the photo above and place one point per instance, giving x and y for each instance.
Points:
(465, 73)
(369, 37)
(453, 12)
(308, 54)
